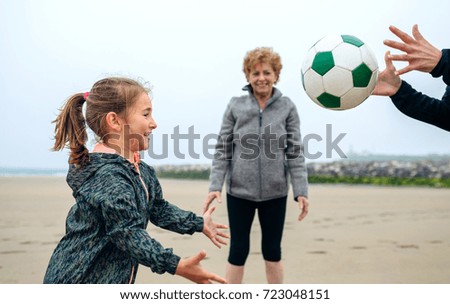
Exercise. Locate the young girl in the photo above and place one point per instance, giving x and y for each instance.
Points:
(116, 194)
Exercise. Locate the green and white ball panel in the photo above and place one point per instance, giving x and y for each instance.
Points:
(312, 82)
(347, 56)
(328, 43)
(307, 62)
(354, 97)
(337, 81)
(368, 57)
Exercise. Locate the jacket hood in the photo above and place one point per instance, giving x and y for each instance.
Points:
(78, 175)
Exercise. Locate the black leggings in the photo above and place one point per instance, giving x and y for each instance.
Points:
(271, 216)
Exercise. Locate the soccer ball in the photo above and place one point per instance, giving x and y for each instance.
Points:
(339, 72)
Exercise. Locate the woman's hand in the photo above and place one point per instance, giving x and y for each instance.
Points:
(211, 229)
(191, 269)
(211, 196)
(303, 205)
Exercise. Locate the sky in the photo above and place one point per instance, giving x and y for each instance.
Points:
(191, 53)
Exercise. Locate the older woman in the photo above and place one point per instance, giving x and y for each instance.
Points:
(259, 146)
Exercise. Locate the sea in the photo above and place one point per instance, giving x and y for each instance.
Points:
(15, 171)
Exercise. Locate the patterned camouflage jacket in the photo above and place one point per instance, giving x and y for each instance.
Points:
(105, 238)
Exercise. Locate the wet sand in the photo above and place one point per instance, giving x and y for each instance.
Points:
(353, 234)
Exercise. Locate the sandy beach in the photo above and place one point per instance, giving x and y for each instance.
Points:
(353, 234)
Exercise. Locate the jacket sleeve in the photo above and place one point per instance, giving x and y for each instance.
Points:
(443, 67)
(124, 224)
(224, 150)
(295, 156)
(422, 107)
(168, 216)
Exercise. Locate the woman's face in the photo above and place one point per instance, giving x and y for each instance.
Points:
(262, 78)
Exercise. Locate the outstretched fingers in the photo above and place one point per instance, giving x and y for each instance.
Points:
(416, 33)
(401, 34)
(388, 58)
(212, 229)
(408, 46)
(209, 211)
(191, 269)
(396, 45)
(220, 237)
(208, 277)
(214, 195)
(216, 278)
(196, 259)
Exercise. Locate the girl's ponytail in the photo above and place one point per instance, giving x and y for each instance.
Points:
(70, 130)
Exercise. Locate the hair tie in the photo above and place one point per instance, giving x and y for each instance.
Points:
(86, 95)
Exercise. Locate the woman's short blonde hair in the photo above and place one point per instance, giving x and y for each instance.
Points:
(262, 55)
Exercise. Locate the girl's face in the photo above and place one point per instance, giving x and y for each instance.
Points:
(140, 124)
(262, 78)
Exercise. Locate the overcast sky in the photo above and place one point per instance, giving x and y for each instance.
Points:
(191, 52)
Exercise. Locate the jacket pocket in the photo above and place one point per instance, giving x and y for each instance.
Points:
(274, 177)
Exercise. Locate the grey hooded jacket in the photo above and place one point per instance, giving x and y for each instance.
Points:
(257, 150)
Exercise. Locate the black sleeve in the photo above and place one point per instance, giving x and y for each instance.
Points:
(443, 67)
(422, 107)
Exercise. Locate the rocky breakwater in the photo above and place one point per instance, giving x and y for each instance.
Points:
(393, 168)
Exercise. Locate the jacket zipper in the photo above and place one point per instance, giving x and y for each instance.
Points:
(136, 165)
(142, 181)
(259, 158)
(131, 276)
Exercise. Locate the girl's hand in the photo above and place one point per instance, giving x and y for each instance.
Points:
(191, 269)
(211, 229)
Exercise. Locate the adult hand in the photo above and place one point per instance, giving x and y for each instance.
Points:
(419, 53)
(211, 229)
(191, 269)
(211, 196)
(388, 81)
(303, 205)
